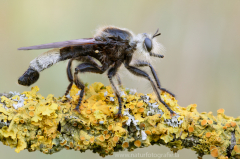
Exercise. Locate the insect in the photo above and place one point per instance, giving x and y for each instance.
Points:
(112, 47)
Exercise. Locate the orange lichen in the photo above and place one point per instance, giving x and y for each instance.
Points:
(125, 145)
(31, 113)
(210, 122)
(67, 147)
(101, 138)
(208, 134)
(132, 106)
(31, 107)
(115, 139)
(192, 107)
(78, 148)
(148, 132)
(225, 127)
(82, 138)
(220, 111)
(88, 111)
(190, 129)
(237, 149)
(62, 143)
(92, 139)
(137, 143)
(233, 124)
(203, 122)
(214, 151)
(110, 127)
(139, 104)
(141, 110)
(105, 132)
(71, 144)
(107, 136)
(228, 125)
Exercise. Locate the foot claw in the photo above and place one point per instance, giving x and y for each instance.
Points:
(118, 115)
(77, 110)
(173, 114)
(64, 99)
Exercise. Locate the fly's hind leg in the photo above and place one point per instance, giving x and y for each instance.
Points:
(111, 73)
(70, 77)
(82, 68)
(87, 59)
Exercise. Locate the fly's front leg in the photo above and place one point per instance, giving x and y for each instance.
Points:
(141, 73)
(84, 67)
(144, 63)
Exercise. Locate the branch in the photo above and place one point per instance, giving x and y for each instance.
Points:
(30, 121)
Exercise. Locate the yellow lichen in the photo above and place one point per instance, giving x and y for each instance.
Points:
(51, 124)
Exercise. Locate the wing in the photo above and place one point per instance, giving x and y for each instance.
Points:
(63, 44)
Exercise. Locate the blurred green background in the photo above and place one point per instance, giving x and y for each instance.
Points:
(201, 64)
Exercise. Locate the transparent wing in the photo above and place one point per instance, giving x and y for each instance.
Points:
(62, 44)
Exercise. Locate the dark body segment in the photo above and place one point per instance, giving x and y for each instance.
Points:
(115, 34)
(29, 77)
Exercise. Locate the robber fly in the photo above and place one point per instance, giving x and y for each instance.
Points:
(112, 47)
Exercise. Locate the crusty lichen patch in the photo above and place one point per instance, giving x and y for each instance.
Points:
(30, 121)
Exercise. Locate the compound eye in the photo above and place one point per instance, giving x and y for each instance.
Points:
(148, 44)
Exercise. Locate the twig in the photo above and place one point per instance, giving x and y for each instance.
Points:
(30, 121)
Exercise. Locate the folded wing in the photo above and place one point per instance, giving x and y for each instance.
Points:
(62, 44)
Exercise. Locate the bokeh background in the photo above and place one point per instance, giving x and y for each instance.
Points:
(201, 64)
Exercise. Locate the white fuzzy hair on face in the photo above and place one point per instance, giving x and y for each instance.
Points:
(141, 52)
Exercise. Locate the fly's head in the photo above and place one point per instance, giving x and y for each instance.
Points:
(147, 46)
